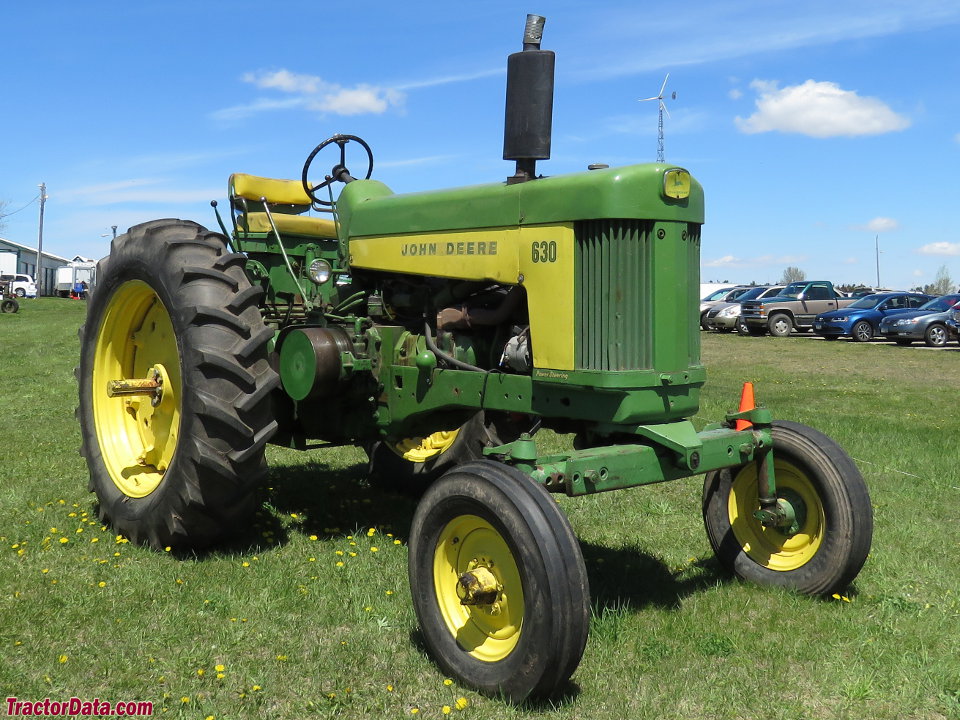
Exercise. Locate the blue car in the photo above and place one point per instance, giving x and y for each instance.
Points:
(861, 320)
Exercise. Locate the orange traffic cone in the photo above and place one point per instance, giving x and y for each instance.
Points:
(746, 403)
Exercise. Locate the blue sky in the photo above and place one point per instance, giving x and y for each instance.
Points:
(814, 127)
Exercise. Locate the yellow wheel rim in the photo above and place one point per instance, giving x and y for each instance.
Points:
(489, 632)
(422, 449)
(137, 435)
(776, 548)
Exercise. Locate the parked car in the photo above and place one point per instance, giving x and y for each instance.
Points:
(861, 320)
(725, 316)
(20, 285)
(928, 323)
(723, 295)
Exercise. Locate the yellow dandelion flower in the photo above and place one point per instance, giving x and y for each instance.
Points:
(201, 672)
(219, 668)
(338, 552)
(167, 549)
(314, 537)
(101, 584)
(294, 516)
(220, 676)
(371, 532)
(64, 541)
(313, 559)
(461, 703)
(353, 554)
(389, 688)
(374, 549)
(209, 717)
(367, 608)
(397, 542)
(282, 658)
(94, 540)
(63, 658)
(256, 688)
(45, 571)
(339, 563)
(245, 564)
(445, 709)
(447, 681)
(184, 699)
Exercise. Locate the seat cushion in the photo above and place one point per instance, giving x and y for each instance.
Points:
(278, 192)
(257, 222)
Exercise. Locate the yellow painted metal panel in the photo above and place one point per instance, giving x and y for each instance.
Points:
(538, 257)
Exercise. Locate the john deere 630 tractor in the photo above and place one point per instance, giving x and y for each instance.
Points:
(440, 331)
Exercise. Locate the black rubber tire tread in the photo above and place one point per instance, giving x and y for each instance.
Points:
(226, 416)
(556, 616)
(9, 305)
(847, 511)
(772, 324)
(742, 328)
(862, 331)
(754, 331)
(904, 343)
(388, 470)
(936, 335)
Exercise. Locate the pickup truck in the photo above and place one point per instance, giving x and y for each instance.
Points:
(795, 307)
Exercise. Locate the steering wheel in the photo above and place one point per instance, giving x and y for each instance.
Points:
(339, 171)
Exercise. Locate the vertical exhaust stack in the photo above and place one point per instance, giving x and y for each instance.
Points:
(529, 106)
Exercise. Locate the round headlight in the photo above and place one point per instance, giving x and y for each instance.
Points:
(319, 271)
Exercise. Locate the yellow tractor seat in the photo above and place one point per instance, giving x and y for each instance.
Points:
(286, 200)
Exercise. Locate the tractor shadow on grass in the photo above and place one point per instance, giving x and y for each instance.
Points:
(317, 499)
(629, 579)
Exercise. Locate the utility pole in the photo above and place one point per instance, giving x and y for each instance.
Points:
(39, 269)
(876, 239)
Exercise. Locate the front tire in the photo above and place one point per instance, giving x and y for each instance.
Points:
(20, 293)
(410, 465)
(525, 635)
(9, 305)
(826, 548)
(780, 325)
(174, 307)
(935, 335)
(862, 331)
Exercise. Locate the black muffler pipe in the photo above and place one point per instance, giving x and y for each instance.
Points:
(529, 107)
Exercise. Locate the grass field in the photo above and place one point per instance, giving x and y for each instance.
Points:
(310, 614)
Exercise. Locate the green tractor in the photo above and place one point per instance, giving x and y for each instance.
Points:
(440, 331)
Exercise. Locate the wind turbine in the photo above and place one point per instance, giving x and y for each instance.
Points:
(662, 109)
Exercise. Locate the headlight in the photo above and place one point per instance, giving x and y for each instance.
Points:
(905, 321)
(732, 311)
(841, 318)
(319, 271)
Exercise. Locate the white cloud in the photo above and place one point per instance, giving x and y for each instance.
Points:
(879, 225)
(732, 261)
(818, 109)
(918, 273)
(735, 94)
(312, 93)
(851, 261)
(940, 248)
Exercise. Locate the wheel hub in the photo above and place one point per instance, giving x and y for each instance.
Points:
(479, 587)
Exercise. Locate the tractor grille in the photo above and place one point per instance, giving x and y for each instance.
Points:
(635, 295)
(613, 298)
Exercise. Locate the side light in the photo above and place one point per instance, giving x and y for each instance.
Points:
(676, 183)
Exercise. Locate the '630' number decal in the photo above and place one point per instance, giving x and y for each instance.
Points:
(544, 251)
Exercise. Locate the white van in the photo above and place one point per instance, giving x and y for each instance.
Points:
(21, 285)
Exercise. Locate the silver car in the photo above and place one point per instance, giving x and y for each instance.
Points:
(725, 316)
(927, 323)
(724, 295)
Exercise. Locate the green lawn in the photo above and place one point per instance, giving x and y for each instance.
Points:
(310, 613)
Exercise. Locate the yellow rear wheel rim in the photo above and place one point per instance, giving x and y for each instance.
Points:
(774, 548)
(422, 449)
(488, 632)
(137, 438)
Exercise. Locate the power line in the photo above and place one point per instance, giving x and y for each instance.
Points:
(3, 215)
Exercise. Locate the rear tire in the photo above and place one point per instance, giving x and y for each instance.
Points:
(936, 335)
(180, 472)
(9, 305)
(835, 518)
(742, 328)
(20, 292)
(527, 639)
